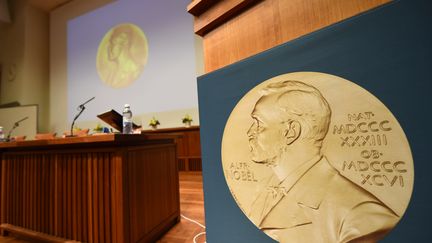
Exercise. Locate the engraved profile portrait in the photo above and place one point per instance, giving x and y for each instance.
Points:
(122, 55)
(305, 195)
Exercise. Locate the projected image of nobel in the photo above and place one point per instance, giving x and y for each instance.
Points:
(122, 55)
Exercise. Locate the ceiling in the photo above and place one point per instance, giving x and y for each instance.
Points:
(48, 5)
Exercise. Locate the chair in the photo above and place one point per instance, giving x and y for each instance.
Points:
(45, 136)
(18, 138)
(79, 133)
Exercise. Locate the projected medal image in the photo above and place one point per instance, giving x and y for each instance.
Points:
(312, 157)
(122, 55)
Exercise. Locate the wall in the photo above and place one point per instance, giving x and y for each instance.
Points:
(12, 53)
(4, 11)
(36, 64)
(24, 55)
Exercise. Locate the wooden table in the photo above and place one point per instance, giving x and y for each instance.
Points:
(109, 188)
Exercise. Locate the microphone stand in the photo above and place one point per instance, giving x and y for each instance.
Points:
(81, 108)
(13, 128)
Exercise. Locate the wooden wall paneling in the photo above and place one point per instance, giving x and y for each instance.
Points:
(1, 176)
(68, 196)
(73, 196)
(107, 197)
(257, 27)
(51, 195)
(63, 193)
(85, 198)
(117, 198)
(78, 202)
(95, 202)
(14, 188)
(3, 193)
(56, 196)
(90, 193)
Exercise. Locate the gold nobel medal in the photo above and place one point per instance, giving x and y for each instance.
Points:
(122, 55)
(312, 157)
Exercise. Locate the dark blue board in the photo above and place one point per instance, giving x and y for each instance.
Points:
(387, 51)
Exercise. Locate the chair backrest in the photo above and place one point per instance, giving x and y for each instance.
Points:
(79, 133)
(45, 136)
(18, 138)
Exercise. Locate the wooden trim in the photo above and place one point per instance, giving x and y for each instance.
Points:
(34, 234)
(173, 130)
(196, 7)
(212, 15)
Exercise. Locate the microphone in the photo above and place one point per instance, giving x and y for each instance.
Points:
(82, 105)
(16, 124)
(81, 108)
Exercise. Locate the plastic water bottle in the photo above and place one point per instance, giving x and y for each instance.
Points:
(2, 137)
(127, 120)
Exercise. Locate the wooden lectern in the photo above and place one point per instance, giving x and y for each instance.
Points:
(236, 29)
(108, 188)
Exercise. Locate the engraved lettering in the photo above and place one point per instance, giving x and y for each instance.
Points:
(360, 116)
(384, 128)
(369, 114)
(366, 179)
(360, 128)
(345, 141)
(363, 166)
(350, 128)
(396, 167)
(383, 165)
(392, 182)
(237, 175)
(371, 128)
(365, 140)
(350, 165)
(373, 166)
(374, 179)
(339, 130)
(361, 141)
